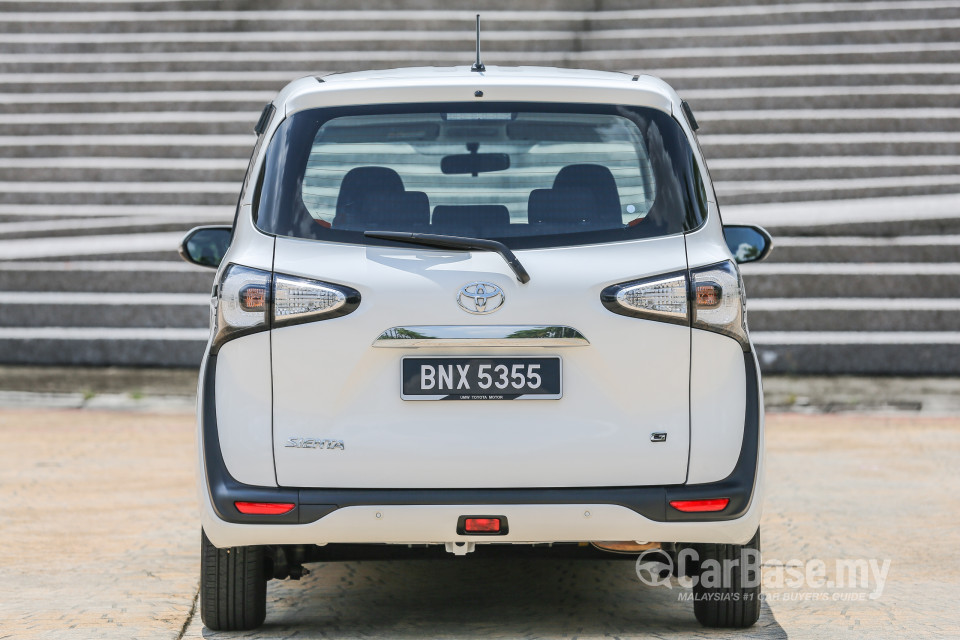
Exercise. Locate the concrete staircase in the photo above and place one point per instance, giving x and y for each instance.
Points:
(834, 124)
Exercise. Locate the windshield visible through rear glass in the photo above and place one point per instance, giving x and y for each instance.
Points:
(529, 175)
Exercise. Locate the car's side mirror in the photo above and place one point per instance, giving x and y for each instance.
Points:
(748, 243)
(205, 246)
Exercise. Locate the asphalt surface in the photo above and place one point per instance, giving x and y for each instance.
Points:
(100, 539)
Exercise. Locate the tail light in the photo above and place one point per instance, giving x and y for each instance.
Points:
(241, 303)
(700, 506)
(251, 300)
(662, 298)
(710, 298)
(719, 301)
(265, 508)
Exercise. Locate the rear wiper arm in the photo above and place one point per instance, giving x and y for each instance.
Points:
(455, 242)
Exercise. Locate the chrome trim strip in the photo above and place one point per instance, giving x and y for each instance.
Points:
(481, 336)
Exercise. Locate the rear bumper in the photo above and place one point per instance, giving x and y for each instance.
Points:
(430, 515)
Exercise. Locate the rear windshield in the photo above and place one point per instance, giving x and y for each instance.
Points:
(529, 175)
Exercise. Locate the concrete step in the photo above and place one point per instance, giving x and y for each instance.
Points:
(774, 8)
(83, 228)
(134, 256)
(853, 314)
(119, 193)
(222, 170)
(46, 247)
(777, 121)
(814, 77)
(928, 225)
(527, 36)
(863, 353)
(684, 79)
(873, 96)
(776, 145)
(111, 276)
(58, 6)
(81, 102)
(852, 280)
(34, 127)
(751, 192)
(889, 217)
(102, 346)
(443, 18)
(138, 146)
(23, 213)
(827, 168)
(310, 62)
(71, 309)
(854, 249)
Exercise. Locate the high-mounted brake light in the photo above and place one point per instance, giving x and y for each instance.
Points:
(700, 506)
(264, 508)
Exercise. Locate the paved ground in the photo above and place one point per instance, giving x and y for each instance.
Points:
(100, 540)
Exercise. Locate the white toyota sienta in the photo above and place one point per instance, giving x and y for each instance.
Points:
(485, 310)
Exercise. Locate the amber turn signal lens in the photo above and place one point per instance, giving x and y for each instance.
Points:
(708, 295)
(253, 299)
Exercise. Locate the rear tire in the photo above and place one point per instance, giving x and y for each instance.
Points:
(728, 603)
(233, 587)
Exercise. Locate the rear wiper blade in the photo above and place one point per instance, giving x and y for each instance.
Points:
(455, 242)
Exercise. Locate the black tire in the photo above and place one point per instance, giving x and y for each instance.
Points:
(734, 603)
(233, 587)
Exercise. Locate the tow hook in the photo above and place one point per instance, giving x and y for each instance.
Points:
(460, 548)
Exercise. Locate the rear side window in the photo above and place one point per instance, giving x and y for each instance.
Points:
(529, 175)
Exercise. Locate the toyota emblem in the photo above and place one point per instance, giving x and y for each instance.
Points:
(480, 297)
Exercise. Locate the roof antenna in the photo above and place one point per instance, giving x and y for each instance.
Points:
(478, 65)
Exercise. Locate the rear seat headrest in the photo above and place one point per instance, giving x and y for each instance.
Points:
(600, 181)
(373, 199)
(583, 194)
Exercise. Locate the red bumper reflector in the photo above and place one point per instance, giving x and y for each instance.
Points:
(481, 525)
(264, 508)
(694, 506)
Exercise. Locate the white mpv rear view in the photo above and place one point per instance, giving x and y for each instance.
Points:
(462, 309)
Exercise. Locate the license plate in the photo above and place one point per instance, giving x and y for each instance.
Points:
(521, 378)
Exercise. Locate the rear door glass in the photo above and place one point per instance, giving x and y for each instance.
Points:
(529, 175)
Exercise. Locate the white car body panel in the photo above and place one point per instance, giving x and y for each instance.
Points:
(594, 436)
(244, 419)
(418, 524)
(718, 397)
